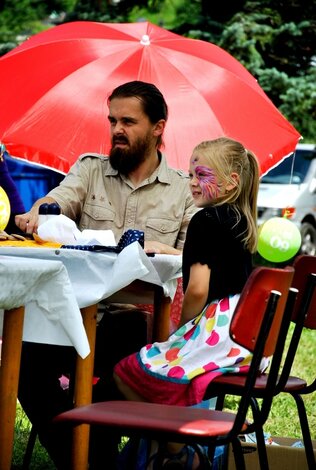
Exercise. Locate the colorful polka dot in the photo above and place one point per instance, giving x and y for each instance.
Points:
(196, 332)
(210, 311)
(176, 372)
(211, 366)
(188, 335)
(222, 320)
(233, 352)
(213, 339)
(210, 324)
(154, 351)
(195, 372)
(180, 331)
(172, 354)
(224, 304)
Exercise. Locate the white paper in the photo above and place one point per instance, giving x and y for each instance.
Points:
(101, 237)
(61, 229)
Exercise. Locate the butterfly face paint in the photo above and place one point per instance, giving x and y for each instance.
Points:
(208, 182)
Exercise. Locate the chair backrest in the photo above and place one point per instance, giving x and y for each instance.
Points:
(305, 282)
(260, 322)
(250, 310)
(304, 312)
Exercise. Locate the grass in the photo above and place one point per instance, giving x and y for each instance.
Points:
(40, 458)
(283, 420)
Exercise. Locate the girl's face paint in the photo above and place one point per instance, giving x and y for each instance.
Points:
(204, 184)
(208, 182)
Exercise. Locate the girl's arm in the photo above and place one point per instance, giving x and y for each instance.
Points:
(196, 293)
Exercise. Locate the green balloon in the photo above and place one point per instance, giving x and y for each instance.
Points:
(279, 239)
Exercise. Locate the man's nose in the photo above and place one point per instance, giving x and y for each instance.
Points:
(118, 128)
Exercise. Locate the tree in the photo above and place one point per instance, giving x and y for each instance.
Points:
(19, 20)
(274, 40)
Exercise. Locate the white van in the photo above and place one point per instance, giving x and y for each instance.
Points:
(291, 186)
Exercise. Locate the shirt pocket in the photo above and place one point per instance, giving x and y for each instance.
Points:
(97, 217)
(162, 230)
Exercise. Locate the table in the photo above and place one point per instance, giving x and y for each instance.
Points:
(20, 284)
(128, 277)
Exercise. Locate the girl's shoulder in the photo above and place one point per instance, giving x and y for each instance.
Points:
(222, 219)
(205, 219)
(221, 213)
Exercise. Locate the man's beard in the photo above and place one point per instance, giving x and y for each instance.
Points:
(128, 159)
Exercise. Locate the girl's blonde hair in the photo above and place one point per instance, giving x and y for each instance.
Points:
(227, 156)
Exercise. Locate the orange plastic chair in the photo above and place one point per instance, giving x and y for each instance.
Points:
(258, 318)
(303, 315)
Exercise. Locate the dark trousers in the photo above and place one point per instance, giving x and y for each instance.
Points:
(42, 397)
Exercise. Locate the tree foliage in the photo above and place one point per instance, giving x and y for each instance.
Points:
(274, 40)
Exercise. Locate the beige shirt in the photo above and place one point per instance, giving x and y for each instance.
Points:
(95, 196)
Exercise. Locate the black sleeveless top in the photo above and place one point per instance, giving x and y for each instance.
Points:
(214, 237)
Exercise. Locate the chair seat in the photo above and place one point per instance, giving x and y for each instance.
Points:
(294, 384)
(139, 416)
(236, 382)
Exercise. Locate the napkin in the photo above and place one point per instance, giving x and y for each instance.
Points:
(61, 229)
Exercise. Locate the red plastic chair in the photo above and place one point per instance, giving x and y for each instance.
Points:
(303, 315)
(256, 325)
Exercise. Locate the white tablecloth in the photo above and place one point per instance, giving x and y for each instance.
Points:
(46, 286)
(94, 276)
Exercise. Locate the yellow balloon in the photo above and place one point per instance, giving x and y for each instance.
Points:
(5, 209)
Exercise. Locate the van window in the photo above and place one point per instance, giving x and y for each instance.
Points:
(288, 172)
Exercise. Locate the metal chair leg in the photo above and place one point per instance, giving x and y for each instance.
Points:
(29, 448)
(261, 445)
(309, 452)
(238, 454)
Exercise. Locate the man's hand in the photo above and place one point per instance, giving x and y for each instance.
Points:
(28, 222)
(160, 248)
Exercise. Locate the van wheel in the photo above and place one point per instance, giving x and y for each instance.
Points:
(308, 233)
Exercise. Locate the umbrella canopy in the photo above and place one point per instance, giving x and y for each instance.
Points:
(54, 89)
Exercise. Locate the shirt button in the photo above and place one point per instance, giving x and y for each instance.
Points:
(163, 228)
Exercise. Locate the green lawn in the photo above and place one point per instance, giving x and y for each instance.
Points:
(40, 458)
(283, 419)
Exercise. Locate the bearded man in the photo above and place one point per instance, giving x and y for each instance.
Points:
(132, 188)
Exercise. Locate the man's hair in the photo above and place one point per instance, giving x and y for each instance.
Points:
(152, 100)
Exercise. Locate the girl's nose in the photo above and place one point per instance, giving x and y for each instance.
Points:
(194, 181)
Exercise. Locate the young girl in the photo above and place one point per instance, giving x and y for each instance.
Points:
(217, 260)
